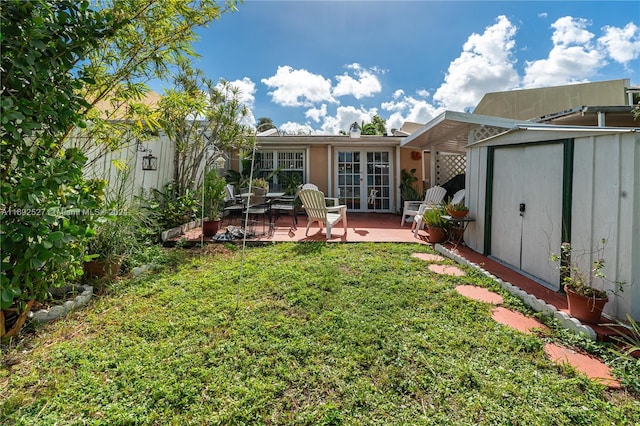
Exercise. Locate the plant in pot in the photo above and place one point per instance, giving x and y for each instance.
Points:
(436, 225)
(458, 210)
(113, 238)
(585, 286)
(214, 194)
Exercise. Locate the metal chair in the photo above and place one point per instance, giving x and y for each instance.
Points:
(234, 205)
(258, 205)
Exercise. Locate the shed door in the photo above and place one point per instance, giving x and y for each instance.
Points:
(526, 212)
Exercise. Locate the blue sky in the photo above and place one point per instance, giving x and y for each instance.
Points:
(315, 67)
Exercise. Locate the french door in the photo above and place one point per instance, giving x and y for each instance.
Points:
(363, 179)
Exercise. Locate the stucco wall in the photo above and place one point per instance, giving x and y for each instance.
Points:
(317, 172)
(533, 103)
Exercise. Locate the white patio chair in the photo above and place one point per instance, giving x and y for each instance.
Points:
(458, 197)
(331, 200)
(434, 195)
(314, 203)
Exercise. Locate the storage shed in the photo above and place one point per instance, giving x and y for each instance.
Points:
(536, 186)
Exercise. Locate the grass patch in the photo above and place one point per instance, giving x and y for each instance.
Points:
(322, 334)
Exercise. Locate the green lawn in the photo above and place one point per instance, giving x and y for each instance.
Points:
(322, 334)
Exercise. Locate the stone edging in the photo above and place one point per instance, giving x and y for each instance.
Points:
(538, 305)
(45, 315)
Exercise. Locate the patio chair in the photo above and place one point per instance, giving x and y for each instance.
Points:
(331, 201)
(315, 205)
(233, 204)
(286, 204)
(434, 195)
(458, 197)
(258, 205)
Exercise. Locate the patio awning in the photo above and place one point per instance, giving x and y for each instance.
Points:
(449, 132)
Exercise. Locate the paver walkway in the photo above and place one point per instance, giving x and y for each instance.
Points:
(592, 367)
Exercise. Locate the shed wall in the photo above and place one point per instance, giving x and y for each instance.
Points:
(606, 205)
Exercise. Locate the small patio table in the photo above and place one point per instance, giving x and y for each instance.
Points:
(460, 226)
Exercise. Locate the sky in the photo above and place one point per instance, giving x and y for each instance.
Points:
(315, 67)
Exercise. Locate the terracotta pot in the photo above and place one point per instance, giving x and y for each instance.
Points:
(458, 214)
(436, 235)
(586, 309)
(210, 227)
(100, 269)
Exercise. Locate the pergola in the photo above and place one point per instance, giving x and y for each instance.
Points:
(451, 132)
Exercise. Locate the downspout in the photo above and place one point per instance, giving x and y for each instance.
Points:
(329, 174)
(432, 160)
(396, 193)
(601, 119)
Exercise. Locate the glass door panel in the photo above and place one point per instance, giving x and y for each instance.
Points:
(364, 180)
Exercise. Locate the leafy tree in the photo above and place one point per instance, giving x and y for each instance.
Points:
(43, 195)
(152, 38)
(265, 123)
(376, 127)
(199, 115)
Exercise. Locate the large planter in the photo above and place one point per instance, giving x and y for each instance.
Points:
(210, 227)
(586, 309)
(436, 235)
(98, 268)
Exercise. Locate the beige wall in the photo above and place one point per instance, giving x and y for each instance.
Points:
(533, 103)
(317, 162)
(408, 163)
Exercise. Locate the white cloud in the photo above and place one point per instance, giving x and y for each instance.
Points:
(345, 115)
(621, 44)
(246, 95)
(485, 65)
(366, 83)
(316, 113)
(298, 87)
(409, 108)
(292, 128)
(573, 57)
(569, 30)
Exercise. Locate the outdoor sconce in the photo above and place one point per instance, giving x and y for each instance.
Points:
(219, 162)
(149, 162)
(354, 130)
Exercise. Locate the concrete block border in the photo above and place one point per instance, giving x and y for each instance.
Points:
(55, 312)
(538, 305)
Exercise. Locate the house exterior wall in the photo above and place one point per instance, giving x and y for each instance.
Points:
(533, 103)
(317, 168)
(605, 204)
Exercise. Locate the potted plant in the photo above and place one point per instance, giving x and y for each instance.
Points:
(458, 210)
(214, 194)
(586, 295)
(436, 225)
(113, 238)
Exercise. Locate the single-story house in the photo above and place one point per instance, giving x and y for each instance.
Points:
(364, 172)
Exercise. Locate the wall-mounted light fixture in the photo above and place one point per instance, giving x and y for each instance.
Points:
(149, 161)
